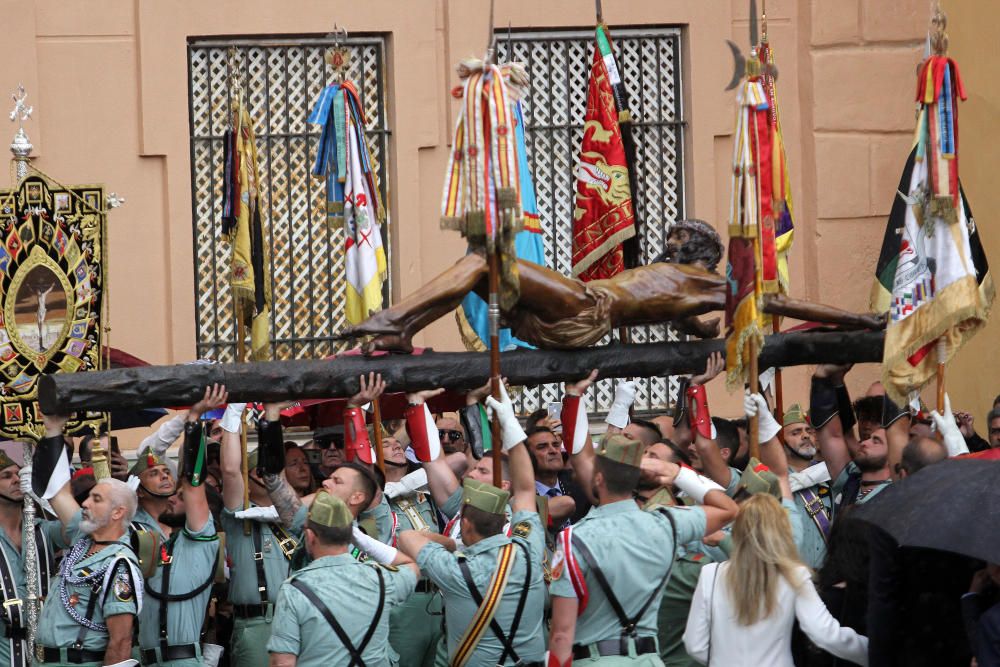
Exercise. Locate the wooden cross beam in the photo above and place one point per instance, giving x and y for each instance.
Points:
(157, 386)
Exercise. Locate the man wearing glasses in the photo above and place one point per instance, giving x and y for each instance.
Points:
(451, 435)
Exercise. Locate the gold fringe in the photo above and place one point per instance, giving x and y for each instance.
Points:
(469, 336)
(957, 312)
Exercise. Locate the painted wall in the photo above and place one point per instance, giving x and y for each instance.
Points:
(109, 81)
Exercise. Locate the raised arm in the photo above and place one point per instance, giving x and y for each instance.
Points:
(52, 449)
(271, 462)
(522, 474)
(426, 444)
(232, 456)
(712, 463)
(830, 433)
(771, 452)
(576, 430)
(193, 461)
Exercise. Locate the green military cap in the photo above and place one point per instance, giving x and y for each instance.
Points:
(485, 497)
(758, 478)
(330, 511)
(622, 449)
(795, 415)
(5, 460)
(371, 433)
(147, 459)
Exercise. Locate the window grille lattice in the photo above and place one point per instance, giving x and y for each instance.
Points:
(283, 79)
(558, 65)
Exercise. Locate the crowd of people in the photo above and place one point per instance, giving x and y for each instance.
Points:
(658, 541)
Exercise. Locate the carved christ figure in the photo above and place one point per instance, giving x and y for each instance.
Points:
(42, 312)
(556, 312)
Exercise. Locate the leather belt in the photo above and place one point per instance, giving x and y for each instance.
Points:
(612, 647)
(424, 586)
(73, 656)
(252, 610)
(15, 632)
(176, 652)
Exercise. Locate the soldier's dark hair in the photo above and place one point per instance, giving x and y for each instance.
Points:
(486, 524)
(620, 478)
(329, 536)
(868, 409)
(365, 483)
(534, 419)
(994, 413)
(652, 428)
(727, 436)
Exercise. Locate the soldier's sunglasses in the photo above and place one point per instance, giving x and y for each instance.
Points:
(449, 434)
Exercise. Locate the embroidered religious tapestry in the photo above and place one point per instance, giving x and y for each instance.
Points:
(52, 273)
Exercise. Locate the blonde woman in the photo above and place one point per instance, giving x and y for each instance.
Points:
(743, 609)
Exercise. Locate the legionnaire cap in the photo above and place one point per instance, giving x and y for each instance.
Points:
(485, 497)
(5, 460)
(147, 459)
(758, 478)
(795, 415)
(622, 449)
(330, 511)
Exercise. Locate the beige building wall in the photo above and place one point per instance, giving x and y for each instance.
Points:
(109, 82)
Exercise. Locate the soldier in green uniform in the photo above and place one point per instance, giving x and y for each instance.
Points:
(48, 537)
(258, 562)
(90, 613)
(178, 591)
(494, 590)
(611, 567)
(335, 611)
(414, 626)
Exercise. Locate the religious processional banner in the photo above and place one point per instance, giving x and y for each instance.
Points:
(52, 286)
(603, 216)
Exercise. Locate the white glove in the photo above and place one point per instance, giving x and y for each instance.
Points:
(767, 426)
(133, 483)
(232, 419)
(264, 514)
(511, 431)
(25, 476)
(811, 476)
(125, 663)
(950, 434)
(624, 398)
(695, 485)
(380, 552)
(415, 482)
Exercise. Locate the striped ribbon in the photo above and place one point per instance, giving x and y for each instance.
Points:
(482, 176)
(484, 614)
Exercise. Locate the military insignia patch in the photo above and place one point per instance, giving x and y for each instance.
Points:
(123, 588)
(558, 562)
(522, 529)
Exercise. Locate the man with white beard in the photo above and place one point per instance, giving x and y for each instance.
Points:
(90, 612)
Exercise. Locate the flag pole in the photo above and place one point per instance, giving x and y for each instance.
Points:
(377, 424)
(494, 298)
(941, 350)
(235, 118)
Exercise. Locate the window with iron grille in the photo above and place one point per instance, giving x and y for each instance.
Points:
(558, 65)
(283, 79)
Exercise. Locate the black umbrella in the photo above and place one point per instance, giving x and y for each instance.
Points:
(949, 506)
